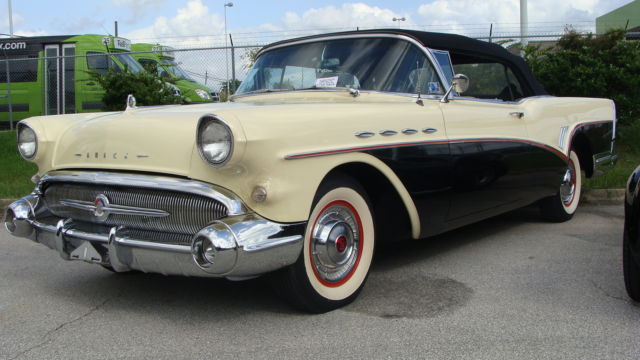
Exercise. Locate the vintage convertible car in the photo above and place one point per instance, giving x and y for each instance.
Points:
(331, 143)
(631, 241)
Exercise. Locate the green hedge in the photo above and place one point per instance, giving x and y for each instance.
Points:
(604, 66)
(147, 88)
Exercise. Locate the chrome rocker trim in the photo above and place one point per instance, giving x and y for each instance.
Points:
(235, 247)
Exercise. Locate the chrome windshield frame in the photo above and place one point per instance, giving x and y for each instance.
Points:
(425, 50)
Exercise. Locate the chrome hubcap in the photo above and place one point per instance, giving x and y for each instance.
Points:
(568, 185)
(335, 243)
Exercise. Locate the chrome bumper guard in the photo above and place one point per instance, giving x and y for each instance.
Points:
(235, 247)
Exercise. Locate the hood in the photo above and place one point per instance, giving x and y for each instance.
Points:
(157, 139)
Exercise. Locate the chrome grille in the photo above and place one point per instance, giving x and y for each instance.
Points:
(188, 213)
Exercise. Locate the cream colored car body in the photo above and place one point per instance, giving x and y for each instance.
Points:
(287, 142)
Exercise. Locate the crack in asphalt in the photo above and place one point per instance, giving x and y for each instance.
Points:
(606, 293)
(46, 338)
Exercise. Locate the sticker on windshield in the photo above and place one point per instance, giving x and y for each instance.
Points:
(327, 82)
(434, 87)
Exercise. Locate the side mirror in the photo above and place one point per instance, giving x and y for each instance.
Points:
(459, 83)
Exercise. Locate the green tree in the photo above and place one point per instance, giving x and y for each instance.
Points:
(147, 88)
(233, 86)
(604, 66)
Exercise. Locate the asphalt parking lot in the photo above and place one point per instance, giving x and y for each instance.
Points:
(512, 287)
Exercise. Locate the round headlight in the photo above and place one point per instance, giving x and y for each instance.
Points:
(215, 141)
(27, 141)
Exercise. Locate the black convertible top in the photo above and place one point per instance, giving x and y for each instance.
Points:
(462, 50)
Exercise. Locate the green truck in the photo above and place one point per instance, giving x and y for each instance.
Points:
(161, 59)
(49, 75)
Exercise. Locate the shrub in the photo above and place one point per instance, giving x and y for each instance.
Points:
(148, 89)
(603, 66)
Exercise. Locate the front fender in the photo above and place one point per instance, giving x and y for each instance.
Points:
(291, 184)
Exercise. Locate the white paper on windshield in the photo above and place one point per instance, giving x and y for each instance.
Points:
(327, 82)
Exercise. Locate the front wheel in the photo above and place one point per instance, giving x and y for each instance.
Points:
(561, 206)
(337, 253)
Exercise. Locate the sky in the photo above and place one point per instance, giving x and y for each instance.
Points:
(201, 22)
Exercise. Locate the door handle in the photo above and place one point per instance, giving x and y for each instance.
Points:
(517, 114)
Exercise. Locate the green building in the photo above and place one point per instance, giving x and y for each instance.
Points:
(626, 16)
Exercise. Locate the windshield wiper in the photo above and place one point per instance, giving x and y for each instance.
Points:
(260, 91)
(352, 91)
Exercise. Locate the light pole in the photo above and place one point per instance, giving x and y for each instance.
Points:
(226, 50)
(10, 19)
(524, 24)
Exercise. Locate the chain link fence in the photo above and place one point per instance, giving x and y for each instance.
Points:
(57, 81)
(49, 85)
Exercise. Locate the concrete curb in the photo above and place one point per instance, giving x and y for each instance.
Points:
(603, 196)
(595, 197)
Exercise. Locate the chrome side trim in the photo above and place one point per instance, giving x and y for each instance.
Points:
(224, 196)
(337, 151)
(429, 130)
(387, 132)
(562, 136)
(364, 134)
(409, 131)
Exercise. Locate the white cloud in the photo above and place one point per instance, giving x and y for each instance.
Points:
(191, 25)
(349, 15)
(138, 7)
(473, 17)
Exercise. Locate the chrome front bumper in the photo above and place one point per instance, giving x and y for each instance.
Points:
(234, 247)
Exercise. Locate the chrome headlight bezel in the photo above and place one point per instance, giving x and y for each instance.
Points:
(25, 130)
(203, 125)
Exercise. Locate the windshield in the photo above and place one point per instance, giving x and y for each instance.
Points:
(177, 70)
(381, 64)
(129, 62)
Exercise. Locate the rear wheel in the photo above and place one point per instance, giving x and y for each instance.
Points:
(337, 252)
(561, 206)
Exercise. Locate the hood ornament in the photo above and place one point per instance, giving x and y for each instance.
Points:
(131, 102)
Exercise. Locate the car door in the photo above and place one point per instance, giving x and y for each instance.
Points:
(489, 145)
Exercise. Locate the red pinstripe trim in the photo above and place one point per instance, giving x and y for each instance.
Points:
(386, 146)
(362, 148)
(559, 153)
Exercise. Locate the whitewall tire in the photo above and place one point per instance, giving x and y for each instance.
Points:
(563, 205)
(338, 249)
